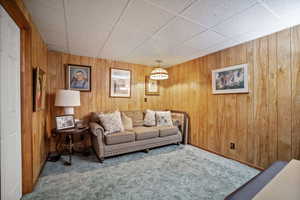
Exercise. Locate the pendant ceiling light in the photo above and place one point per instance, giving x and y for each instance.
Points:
(159, 73)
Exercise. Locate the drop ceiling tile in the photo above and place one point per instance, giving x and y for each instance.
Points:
(205, 40)
(178, 31)
(88, 31)
(172, 5)
(54, 47)
(287, 10)
(48, 16)
(55, 37)
(144, 17)
(87, 44)
(220, 46)
(122, 42)
(182, 51)
(212, 12)
(139, 22)
(147, 49)
(256, 19)
(144, 60)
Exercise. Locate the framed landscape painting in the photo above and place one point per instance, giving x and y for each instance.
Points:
(151, 86)
(120, 83)
(78, 77)
(232, 79)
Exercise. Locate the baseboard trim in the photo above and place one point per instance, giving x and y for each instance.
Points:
(243, 162)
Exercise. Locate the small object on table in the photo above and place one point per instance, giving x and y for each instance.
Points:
(66, 138)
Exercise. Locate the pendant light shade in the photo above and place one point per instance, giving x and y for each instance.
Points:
(159, 73)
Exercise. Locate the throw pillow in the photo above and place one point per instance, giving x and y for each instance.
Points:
(164, 118)
(111, 122)
(149, 119)
(127, 122)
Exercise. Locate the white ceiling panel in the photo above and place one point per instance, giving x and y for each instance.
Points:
(172, 5)
(221, 45)
(85, 29)
(139, 22)
(255, 19)
(141, 31)
(144, 17)
(205, 40)
(53, 47)
(178, 31)
(122, 42)
(212, 12)
(287, 10)
(49, 18)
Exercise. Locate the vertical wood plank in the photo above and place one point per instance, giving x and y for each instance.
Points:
(295, 41)
(272, 100)
(284, 94)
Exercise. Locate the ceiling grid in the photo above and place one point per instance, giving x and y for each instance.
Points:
(141, 31)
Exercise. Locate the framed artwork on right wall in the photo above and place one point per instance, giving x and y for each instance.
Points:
(233, 79)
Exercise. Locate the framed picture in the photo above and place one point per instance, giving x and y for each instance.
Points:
(232, 79)
(120, 83)
(65, 122)
(39, 89)
(151, 86)
(78, 77)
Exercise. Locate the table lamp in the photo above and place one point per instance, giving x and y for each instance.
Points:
(67, 99)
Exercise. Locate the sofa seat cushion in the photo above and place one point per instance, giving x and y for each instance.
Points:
(143, 133)
(120, 137)
(165, 131)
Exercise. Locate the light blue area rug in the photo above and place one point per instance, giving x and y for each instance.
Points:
(172, 172)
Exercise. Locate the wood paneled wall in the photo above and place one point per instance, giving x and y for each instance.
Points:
(39, 126)
(34, 148)
(265, 123)
(98, 99)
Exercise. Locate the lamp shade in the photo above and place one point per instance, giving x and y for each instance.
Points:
(67, 98)
(159, 74)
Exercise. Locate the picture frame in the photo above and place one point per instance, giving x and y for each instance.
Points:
(120, 83)
(39, 89)
(233, 79)
(64, 122)
(78, 77)
(151, 87)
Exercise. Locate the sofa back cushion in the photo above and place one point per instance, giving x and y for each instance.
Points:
(164, 118)
(136, 116)
(111, 122)
(127, 122)
(149, 119)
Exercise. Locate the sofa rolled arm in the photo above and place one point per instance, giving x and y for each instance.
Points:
(96, 129)
(97, 139)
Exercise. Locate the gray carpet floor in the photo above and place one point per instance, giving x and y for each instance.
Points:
(171, 172)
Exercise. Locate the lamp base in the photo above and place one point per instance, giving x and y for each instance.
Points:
(69, 110)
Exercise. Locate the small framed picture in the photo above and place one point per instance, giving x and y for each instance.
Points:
(78, 77)
(151, 86)
(120, 83)
(65, 122)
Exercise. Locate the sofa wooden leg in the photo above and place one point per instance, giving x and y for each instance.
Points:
(146, 150)
(101, 160)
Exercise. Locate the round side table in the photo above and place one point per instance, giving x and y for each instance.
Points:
(66, 138)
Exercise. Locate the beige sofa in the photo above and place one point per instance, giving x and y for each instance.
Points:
(140, 138)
